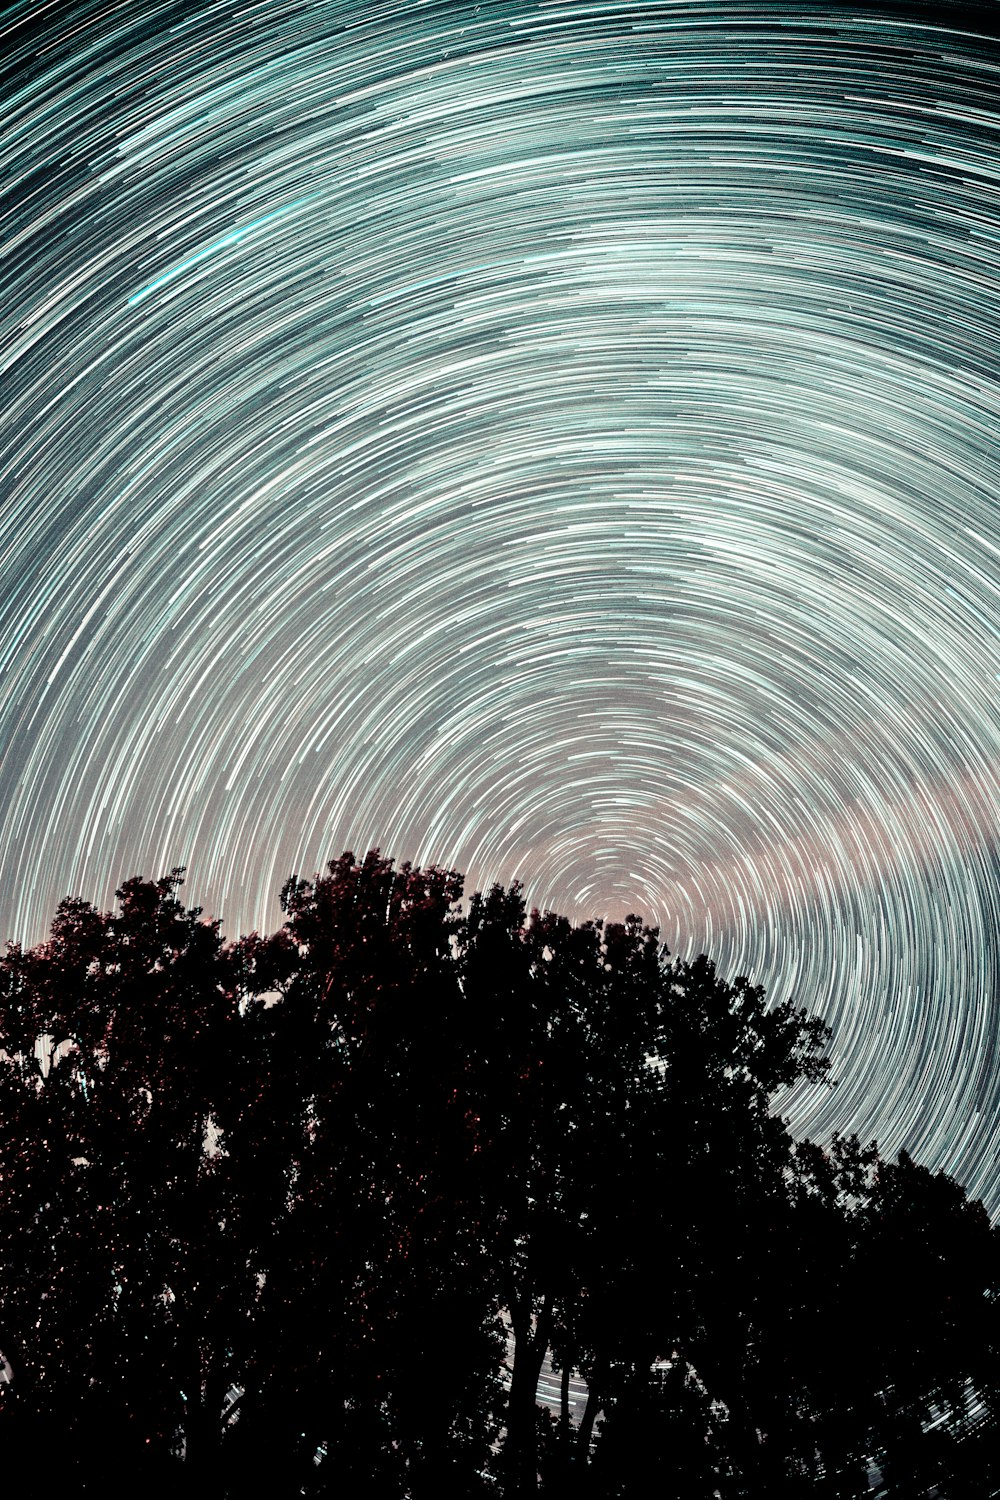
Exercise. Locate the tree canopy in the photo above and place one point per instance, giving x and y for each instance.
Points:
(308, 1214)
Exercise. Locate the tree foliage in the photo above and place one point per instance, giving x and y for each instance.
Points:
(309, 1213)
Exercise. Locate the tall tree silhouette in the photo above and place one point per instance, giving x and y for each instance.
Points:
(273, 1211)
(379, 1256)
(113, 1268)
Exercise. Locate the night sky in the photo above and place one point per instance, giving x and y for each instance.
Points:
(551, 440)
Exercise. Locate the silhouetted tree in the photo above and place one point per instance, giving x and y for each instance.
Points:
(114, 1273)
(382, 1338)
(274, 1210)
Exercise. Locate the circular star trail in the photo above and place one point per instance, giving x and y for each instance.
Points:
(557, 441)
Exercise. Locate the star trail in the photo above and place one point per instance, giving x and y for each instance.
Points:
(556, 441)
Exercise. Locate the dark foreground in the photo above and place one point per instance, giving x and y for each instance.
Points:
(274, 1211)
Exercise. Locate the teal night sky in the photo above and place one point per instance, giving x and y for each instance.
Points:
(553, 440)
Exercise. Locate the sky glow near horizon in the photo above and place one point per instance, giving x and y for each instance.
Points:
(554, 441)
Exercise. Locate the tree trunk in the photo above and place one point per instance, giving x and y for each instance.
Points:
(203, 1446)
(593, 1406)
(564, 1407)
(520, 1449)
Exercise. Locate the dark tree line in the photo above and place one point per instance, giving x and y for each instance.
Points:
(306, 1214)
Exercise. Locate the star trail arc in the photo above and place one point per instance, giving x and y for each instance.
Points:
(557, 441)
